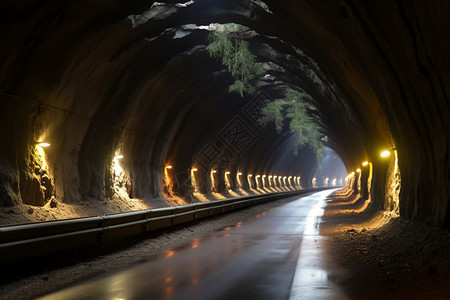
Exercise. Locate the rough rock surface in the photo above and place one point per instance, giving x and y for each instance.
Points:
(97, 79)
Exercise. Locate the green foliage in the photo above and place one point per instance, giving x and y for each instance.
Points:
(293, 110)
(226, 45)
(273, 112)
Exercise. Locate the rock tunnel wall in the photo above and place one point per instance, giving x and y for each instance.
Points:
(97, 79)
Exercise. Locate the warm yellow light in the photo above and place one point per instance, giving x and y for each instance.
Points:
(169, 167)
(250, 175)
(258, 176)
(385, 153)
(358, 170)
(365, 163)
(227, 172)
(43, 144)
(213, 171)
(275, 177)
(194, 169)
(284, 177)
(289, 177)
(240, 173)
(353, 173)
(264, 176)
(118, 156)
(270, 176)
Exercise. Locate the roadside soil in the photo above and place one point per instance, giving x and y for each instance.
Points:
(386, 256)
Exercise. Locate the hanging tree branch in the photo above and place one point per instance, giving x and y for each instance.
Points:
(294, 110)
(227, 45)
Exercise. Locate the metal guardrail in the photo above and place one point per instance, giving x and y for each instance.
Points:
(20, 242)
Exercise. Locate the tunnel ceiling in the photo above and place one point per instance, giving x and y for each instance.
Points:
(101, 78)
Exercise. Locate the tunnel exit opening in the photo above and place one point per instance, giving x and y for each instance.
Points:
(330, 171)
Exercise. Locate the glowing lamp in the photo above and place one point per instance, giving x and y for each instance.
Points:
(120, 156)
(227, 172)
(194, 169)
(358, 170)
(250, 175)
(239, 174)
(264, 176)
(213, 171)
(365, 163)
(168, 167)
(385, 153)
(258, 176)
(43, 144)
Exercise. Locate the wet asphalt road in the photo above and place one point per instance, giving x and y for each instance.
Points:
(277, 255)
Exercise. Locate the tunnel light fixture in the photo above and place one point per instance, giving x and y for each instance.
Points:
(289, 177)
(194, 169)
(270, 176)
(264, 176)
(43, 144)
(353, 173)
(358, 170)
(213, 171)
(119, 156)
(284, 177)
(385, 153)
(227, 172)
(239, 174)
(365, 163)
(169, 167)
(258, 176)
(250, 175)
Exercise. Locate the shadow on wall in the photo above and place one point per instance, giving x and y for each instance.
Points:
(386, 170)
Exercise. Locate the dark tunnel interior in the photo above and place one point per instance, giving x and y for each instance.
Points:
(135, 109)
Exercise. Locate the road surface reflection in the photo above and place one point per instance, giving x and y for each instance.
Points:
(277, 255)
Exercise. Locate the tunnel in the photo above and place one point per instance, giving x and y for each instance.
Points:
(119, 105)
(97, 80)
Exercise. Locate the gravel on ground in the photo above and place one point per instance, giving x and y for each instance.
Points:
(386, 256)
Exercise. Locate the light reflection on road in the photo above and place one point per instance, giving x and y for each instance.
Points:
(258, 259)
(313, 272)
